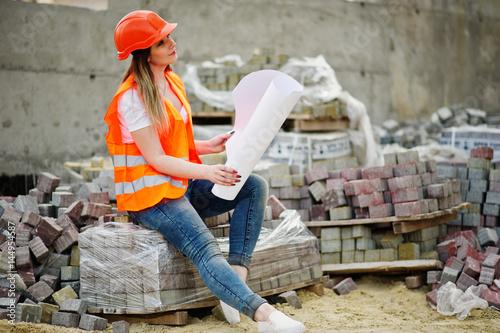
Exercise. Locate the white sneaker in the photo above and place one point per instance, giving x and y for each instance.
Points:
(279, 322)
(232, 315)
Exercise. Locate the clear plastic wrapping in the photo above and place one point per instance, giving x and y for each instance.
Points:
(453, 301)
(126, 268)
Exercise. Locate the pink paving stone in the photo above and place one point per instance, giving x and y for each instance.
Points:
(387, 197)
(66, 240)
(351, 173)
(345, 287)
(99, 197)
(487, 275)
(467, 280)
(467, 251)
(333, 198)
(318, 213)
(482, 152)
(491, 250)
(399, 183)
(65, 222)
(12, 215)
(47, 182)
(492, 297)
(332, 183)
(367, 200)
(362, 186)
(31, 218)
(407, 208)
(48, 230)
(491, 221)
(335, 174)
(472, 267)
(276, 206)
(447, 249)
(405, 195)
(94, 210)
(316, 174)
(455, 263)
(437, 191)
(431, 297)
(41, 197)
(405, 169)
(494, 186)
(383, 210)
(383, 172)
(361, 213)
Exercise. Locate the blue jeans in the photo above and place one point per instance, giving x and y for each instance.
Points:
(180, 222)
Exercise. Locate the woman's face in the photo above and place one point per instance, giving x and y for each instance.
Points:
(163, 53)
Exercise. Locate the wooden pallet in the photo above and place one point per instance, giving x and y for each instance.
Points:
(177, 315)
(386, 267)
(400, 225)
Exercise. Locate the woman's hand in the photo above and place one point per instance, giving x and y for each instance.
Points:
(218, 142)
(222, 175)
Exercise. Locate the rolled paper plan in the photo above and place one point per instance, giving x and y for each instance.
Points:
(262, 101)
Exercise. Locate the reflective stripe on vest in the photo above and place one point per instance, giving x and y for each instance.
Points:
(146, 181)
(132, 161)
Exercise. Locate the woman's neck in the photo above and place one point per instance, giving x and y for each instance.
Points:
(158, 74)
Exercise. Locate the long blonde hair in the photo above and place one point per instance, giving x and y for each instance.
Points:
(148, 90)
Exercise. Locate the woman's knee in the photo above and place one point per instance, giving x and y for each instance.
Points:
(259, 185)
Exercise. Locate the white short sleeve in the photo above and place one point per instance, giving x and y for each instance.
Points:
(132, 114)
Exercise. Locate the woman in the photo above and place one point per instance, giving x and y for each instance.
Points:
(161, 182)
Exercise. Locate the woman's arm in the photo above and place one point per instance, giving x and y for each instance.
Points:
(217, 144)
(149, 144)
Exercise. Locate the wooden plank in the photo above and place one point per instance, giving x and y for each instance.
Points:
(321, 124)
(391, 219)
(389, 267)
(176, 318)
(409, 226)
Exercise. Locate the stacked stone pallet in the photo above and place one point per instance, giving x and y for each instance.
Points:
(472, 261)
(355, 244)
(125, 268)
(227, 77)
(480, 186)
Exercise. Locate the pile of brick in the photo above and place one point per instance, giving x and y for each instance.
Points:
(339, 190)
(39, 241)
(128, 268)
(471, 260)
(227, 77)
(480, 185)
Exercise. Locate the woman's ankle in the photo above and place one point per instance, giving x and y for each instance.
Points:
(263, 311)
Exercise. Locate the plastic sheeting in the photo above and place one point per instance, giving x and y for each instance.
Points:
(126, 268)
(453, 301)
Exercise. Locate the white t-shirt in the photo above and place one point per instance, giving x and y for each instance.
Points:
(133, 115)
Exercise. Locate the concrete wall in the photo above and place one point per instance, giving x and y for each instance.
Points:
(403, 59)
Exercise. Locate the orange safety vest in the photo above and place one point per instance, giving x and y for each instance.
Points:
(139, 185)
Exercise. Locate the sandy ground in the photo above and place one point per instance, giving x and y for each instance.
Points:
(381, 304)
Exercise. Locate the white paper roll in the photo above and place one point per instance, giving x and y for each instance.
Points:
(262, 100)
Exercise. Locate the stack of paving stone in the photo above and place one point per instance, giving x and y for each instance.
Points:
(337, 189)
(227, 77)
(38, 242)
(472, 261)
(480, 185)
(126, 268)
(356, 244)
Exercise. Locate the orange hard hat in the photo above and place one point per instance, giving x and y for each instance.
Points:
(140, 30)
